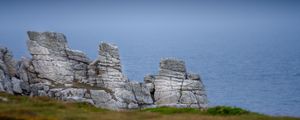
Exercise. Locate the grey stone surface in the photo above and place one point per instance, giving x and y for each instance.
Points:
(59, 72)
(53, 60)
(7, 63)
(16, 85)
(7, 70)
(106, 100)
(106, 70)
(173, 86)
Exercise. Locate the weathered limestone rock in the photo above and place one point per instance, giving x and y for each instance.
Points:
(173, 86)
(106, 72)
(16, 85)
(106, 100)
(58, 72)
(141, 93)
(53, 61)
(7, 63)
(7, 71)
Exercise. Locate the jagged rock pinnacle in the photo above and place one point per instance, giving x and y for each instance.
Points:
(57, 71)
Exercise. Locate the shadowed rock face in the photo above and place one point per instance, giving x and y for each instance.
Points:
(5, 75)
(59, 72)
(9, 75)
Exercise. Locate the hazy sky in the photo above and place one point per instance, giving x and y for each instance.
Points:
(134, 24)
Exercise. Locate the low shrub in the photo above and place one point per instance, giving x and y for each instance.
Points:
(226, 110)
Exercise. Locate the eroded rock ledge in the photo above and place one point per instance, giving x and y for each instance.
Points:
(59, 72)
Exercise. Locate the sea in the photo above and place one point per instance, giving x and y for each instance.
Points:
(260, 75)
(257, 71)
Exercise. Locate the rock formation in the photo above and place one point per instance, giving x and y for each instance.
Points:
(7, 70)
(52, 61)
(106, 72)
(174, 87)
(59, 72)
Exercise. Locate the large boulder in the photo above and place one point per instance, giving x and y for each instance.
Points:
(174, 87)
(53, 61)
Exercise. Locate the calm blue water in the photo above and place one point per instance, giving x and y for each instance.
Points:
(260, 73)
(257, 75)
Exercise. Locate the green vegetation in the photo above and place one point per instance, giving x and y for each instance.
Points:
(43, 108)
(226, 110)
(218, 110)
(170, 110)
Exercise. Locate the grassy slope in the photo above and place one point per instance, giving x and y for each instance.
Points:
(36, 108)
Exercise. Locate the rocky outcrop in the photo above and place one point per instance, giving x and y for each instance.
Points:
(52, 61)
(59, 72)
(174, 87)
(9, 76)
(106, 72)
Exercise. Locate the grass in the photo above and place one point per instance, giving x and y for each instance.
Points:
(171, 110)
(226, 110)
(218, 110)
(43, 108)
